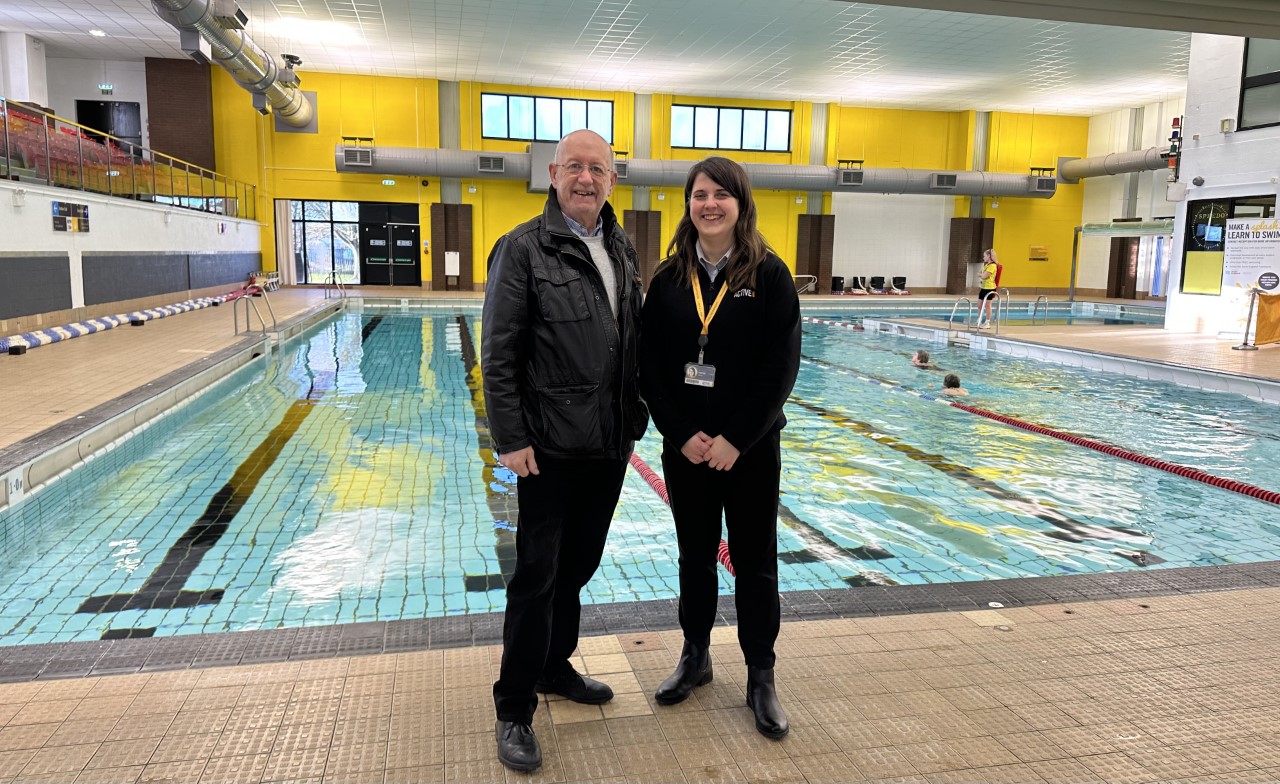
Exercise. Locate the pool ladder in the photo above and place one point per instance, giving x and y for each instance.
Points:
(968, 314)
(249, 303)
(1036, 310)
(336, 286)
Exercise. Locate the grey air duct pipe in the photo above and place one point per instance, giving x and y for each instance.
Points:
(423, 162)
(254, 69)
(469, 164)
(1150, 159)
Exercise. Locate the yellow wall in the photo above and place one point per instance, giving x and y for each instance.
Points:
(500, 205)
(404, 113)
(777, 210)
(888, 138)
(395, 112)
(1017, 143)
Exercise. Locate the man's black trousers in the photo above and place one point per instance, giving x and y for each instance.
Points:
(565, 512)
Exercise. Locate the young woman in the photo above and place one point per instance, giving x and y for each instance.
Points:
(987, 287)
(719, 355)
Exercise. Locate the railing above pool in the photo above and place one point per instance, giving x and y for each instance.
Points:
(39, 147)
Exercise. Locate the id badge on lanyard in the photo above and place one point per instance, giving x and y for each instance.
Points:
(697, 373)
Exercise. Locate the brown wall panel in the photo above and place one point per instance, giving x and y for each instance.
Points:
(644, 228)
(451, 226)
(968, 239)
(180, 108)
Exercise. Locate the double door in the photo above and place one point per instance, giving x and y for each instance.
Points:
(389, 254)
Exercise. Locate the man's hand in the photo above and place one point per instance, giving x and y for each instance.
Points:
(520, 461)
(696, 447)
(722, 455)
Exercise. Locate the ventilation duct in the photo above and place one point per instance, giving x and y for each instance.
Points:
(420, 162)
(491, 164)
(850, 176)
(1043, 184)
(254, 69)
(1150, 159)
(358, 156)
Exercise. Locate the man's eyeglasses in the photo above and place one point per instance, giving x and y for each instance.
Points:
(574, 169)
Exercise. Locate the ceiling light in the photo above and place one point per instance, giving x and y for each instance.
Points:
(97, 34)
(314, 31)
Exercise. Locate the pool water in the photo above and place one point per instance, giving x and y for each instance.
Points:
(351, 479)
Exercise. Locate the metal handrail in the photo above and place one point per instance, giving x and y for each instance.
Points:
(335, 283)
(93, 162)
(250, 292)
(1036, 309)
(968, 313)
(1001, 307)
(810, 283)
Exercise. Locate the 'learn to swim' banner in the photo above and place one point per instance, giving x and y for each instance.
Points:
(1268, 327)
(1252, 251)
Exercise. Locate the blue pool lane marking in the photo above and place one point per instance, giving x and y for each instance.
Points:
(164, 588)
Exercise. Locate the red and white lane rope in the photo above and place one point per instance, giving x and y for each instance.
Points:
(1244, 488)
(660, 487)
(1196, 474)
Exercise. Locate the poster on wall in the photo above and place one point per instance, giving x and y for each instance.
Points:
(70, 217)
(1252, 254)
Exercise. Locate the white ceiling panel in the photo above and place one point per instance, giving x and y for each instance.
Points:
(818, 50)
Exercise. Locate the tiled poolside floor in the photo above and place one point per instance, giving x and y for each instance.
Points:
(1182, 688)
(1167, 688)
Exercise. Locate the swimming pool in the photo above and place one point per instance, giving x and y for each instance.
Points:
(1016, 312)
(350, 480)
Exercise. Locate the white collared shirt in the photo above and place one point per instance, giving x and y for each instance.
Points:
(713, 269)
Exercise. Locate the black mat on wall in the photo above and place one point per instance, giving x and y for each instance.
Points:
(34, 284)
(112, 277)
(216, 269)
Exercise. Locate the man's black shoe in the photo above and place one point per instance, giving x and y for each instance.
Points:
(577, 688)
(518, 746)
(693, 669)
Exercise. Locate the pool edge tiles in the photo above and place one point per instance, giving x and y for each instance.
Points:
(50, 661)
(37, 460)
(28, 465)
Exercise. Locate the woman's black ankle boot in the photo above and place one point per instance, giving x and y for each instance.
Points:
(762, 698)
(693, 669)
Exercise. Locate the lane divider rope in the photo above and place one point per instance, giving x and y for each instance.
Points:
(1244, 488)
(830, 323)
(660, 487)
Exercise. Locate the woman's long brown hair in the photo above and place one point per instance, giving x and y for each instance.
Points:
(749, 245)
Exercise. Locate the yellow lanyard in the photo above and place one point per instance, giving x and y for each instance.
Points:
(702, 314)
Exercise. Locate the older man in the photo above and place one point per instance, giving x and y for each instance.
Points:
(561, 332)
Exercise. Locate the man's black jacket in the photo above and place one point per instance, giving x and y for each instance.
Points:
(560, 372)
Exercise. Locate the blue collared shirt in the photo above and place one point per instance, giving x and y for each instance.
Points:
(713, 269)
(580, 230)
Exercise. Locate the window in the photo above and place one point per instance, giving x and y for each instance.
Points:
(542, 119)
(723, 128)
(326, 241)
(1260, 85)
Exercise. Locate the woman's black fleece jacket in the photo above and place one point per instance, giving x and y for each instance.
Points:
(753, 342)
